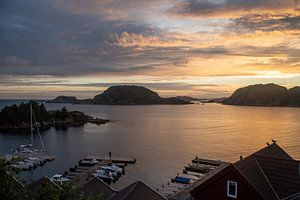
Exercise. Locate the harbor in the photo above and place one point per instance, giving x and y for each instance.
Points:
(108, 170)
(198, 169)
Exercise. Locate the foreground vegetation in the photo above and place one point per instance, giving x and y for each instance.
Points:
(11, 189)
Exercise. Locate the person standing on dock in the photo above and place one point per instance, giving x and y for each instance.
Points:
(109, 155)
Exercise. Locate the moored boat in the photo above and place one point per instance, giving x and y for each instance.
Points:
(183, 180)
(58, 178)
(85, 162)
(106, 176)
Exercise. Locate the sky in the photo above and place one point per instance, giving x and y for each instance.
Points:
(199, 48)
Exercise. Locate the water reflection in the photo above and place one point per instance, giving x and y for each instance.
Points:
(165, 138)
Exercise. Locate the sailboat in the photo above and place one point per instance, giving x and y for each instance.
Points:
(29, 157)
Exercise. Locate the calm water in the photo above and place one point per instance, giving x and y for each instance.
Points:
(164, 138)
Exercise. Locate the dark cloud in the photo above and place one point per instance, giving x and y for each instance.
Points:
(231, 8)
(39, 37)
(280, 22)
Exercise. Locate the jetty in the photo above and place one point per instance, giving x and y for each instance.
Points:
(112, 159)
(81, 173)
(192, 173)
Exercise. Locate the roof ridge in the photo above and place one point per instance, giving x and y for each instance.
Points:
(130, 189)
(256, 153)
(276, 158)
(260, 168)
(150, 188)
(112, 189)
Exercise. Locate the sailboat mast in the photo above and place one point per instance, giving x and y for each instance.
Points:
(38, 131)
(31, 128)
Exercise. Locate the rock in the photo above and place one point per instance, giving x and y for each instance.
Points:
(65, 99)
(265, 95)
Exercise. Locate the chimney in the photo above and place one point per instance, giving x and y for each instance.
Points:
(241, 157)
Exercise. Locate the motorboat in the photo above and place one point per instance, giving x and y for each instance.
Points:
(59, 178)
(30, 163)
(111, 173)
(22, 165)
(199, 168)
(91, 162)
(104, 175)
(113, 169)
(184, 180)
(117, 168)
(37, 160)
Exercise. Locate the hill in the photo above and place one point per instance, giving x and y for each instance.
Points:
(124, 95)
(265, 95)
(133, 95)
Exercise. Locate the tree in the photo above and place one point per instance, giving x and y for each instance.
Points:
(10, 189)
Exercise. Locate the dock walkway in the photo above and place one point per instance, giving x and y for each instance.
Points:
(112, 159)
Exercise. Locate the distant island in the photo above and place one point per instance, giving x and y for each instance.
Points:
(187, 98)
(265, 95)
(16, 118)
(124, 95)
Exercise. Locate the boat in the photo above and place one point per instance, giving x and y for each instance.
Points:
(114, 174)
(117, 168)
(58, 178)
(37, 161)
(21, 166)
(84, 162)
(114, 169)
(30, 157)
(30, 163)
(106, 176)
(198, 168)
(183, 180)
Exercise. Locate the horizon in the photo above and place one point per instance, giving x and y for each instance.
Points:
(203, 49)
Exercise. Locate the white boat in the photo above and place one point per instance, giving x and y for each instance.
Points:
(22, 165)
(104, 175)
(119, 169)
(36, 160)
(30, 163)
(31, 157)
(113, 169)
(88, 162)
(59, 178)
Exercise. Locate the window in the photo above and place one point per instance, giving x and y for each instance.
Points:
(232, 189)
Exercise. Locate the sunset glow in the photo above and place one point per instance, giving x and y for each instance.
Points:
(202, 48)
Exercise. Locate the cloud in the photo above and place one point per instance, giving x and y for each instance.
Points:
(232, 8)
(259, 22)
(179, 44)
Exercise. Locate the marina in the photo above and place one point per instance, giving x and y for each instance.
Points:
(197, 170)
(25, 156)
(108, 170)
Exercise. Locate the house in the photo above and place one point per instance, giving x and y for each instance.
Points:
(137, 191)
(270, 174)
(96, 186)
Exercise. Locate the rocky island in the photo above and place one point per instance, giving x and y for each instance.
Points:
(124, 95)
(16, 118)
(265, 95)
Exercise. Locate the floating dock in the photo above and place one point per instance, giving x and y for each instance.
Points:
(112, 159)
(207, 162)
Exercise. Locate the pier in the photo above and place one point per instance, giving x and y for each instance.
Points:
(192, 173)
(112, 159)
(80, 174)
